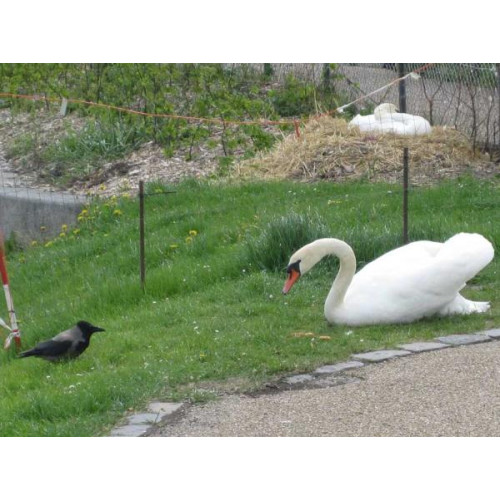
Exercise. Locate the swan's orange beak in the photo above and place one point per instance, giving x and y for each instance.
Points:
(293, 276)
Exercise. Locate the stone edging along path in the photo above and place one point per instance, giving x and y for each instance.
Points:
(140, 424)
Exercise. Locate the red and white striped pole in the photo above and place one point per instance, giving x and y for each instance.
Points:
(14, 330)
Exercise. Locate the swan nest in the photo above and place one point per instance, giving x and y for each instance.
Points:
(328, 149)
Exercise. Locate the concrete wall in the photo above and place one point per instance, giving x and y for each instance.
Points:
(36, 215)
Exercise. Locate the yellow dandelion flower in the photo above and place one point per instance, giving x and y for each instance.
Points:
(62, 235)
(34, 243)
(189, 240)
(76, 231)
(48, 244)
(117, 212)
(84, 213)
(64, 228)
(174, 246)
(193, 232)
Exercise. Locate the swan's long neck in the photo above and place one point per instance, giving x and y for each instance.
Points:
(346, 272)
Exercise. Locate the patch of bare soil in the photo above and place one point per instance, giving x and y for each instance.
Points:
(148, 164)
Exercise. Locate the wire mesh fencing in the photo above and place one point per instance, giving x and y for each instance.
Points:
(464, 96)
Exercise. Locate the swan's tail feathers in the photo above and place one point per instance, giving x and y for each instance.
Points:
(468, 252)
(460, 305)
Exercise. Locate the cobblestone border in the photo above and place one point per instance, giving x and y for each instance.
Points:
(359, 360)
(139, 424)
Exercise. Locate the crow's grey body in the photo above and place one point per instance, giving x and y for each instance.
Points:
(65, 345)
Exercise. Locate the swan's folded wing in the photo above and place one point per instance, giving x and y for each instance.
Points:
(402, 259)
(437, 270)
(419, 277)
(365, 123)
(404, 124)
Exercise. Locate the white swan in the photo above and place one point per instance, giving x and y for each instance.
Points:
(385, 118)
(414, 281)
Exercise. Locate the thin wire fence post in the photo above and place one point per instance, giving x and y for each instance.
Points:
(142, 252)
(405, 195)
(497, 66)
(402, 109)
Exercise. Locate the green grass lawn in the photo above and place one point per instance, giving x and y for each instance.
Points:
(210, 311)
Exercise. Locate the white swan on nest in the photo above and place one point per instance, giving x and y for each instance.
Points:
(385, 119)
(414, 281)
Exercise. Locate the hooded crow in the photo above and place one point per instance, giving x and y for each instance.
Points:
(65, 345)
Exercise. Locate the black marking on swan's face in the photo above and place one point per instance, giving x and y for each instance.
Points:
(295, 266)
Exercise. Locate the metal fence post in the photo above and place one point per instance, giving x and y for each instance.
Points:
(402, 109)
(497, 66)
(142, 258)
(402, 88)
(405, 195)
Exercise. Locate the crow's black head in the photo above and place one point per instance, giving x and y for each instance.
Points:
(87, 328)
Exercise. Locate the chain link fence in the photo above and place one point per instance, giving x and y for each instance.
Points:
(464, 96)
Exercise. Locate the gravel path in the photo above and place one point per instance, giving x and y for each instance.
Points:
(450, 392)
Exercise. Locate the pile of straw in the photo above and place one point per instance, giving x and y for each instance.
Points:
(328, 149)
